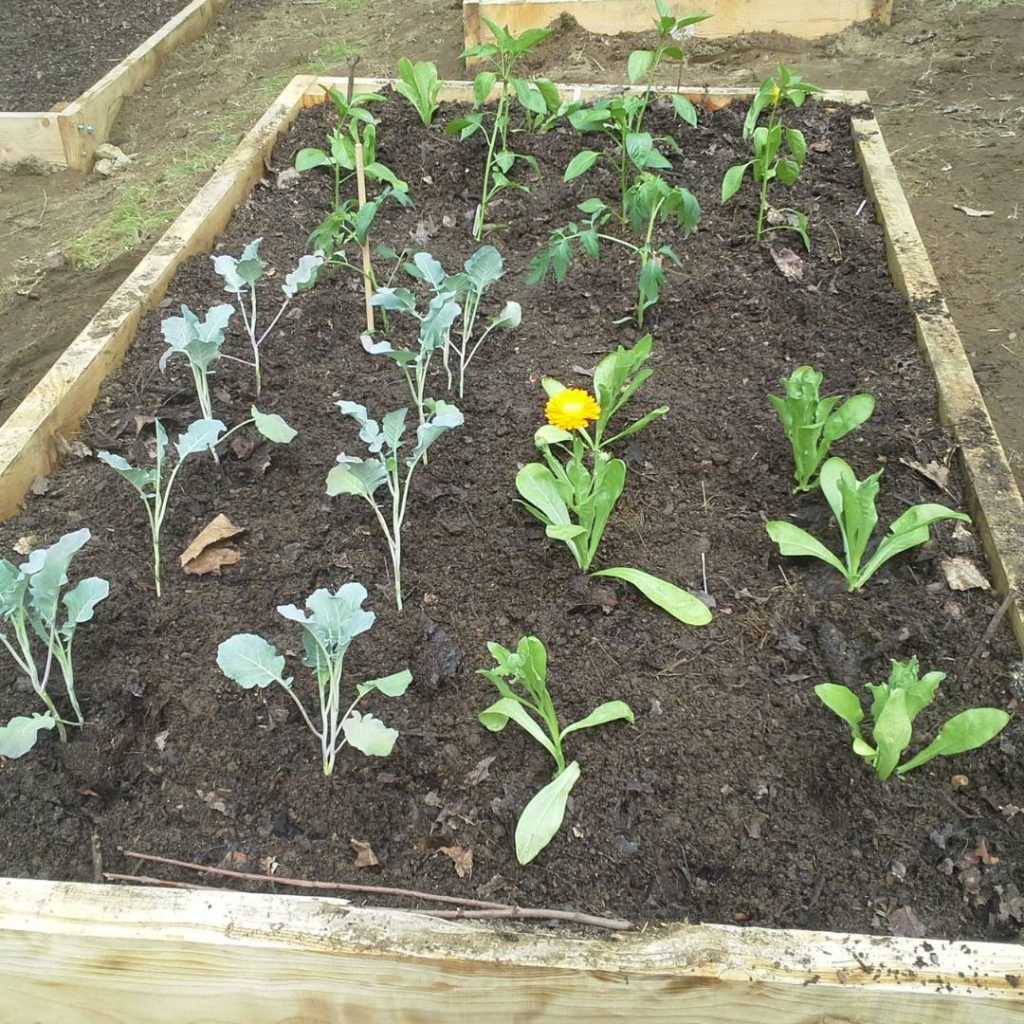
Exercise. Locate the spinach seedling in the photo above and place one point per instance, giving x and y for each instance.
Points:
(779, 152)
(617, 378)
(652, 201)
(521, 679)
(502, 55)
(355, 125)
(364, 477)
(812, 423)
(894, 707)
(419, 84)
(853, 504)
(329, 624)
(200, 343)
(241, 276)
(574, 502)
(30, 606)
(467, 288)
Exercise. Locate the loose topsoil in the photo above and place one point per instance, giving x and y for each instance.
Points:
(735, 796)
(52, 52)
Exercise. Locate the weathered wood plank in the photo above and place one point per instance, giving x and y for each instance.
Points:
(84, 953)
(28, 136)
(807, 19)
(86, 123)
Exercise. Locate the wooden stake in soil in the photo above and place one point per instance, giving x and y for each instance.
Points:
(367, 266)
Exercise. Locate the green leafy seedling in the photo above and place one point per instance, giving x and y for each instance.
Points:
(853, 504)
(419, 84)
(812, 423)
(521, 679)
(894, 707)
(329, 624)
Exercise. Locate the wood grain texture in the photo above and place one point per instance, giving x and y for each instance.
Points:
(30, 137)
(995, 499)
(98, 106)
(84, 953)
(807, 19)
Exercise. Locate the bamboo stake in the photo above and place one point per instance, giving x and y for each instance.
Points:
(367, 265)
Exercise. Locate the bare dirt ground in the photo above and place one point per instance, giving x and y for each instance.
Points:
(946, 79)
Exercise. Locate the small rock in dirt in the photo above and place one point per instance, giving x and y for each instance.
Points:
(24, 545)
(624, 847)
(41, 485)
(655, 710)
(287, 178)
(959, 781)
(898, 870)
(53, 260)
(903, 921)
(365, 857)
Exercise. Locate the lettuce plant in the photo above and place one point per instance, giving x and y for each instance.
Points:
(38, 632)
(240, 278)
(419, 84)
(329, 624)
(502, 55)
(355, 125)
(364, 477)
(812, 423)
(617, 378)
(467, 288)
(779, 152)
(650, 202)
(200, 343)
(521, 679)
(894, 706)
(574, 501)
(853, 504)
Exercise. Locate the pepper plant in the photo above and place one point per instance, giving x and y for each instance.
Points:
(617, 378)
(853, 504)
(240, 278)
(652, 202)
(502, 56)
(779, 151)
(39, 633)
(329, 624)
(894, 707)
(364, 477)
(812, 423)
(521, 679)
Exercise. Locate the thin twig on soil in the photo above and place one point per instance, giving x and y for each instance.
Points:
(482, 909)
(992, 626)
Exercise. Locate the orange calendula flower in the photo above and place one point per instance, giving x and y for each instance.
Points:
(572, 409)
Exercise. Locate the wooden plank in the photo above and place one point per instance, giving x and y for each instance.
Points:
(995, 499)
(29, 440)
(807, 19)
(84, 953)
(91, 954)
(86, 123)
(30, 136)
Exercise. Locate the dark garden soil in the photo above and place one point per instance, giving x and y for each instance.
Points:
(735, 796)
(51, 53)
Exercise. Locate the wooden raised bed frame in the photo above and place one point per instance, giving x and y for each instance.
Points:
(807, 19)
(71, 135)
(71, 952)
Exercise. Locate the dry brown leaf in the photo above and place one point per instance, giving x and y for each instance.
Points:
(480, 772)
(209, 552)
(365, 857)
(962, 574)
(788, 262)
(236, 860)
(242, 447)
(971, 212)
(220, 528)
(934, 471)
(461, 857)
(217, 800)
(213, 559)
(980, 853)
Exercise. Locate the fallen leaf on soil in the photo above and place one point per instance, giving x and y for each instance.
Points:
(1011, 904)
(365, 857)
(461, 857)
(73, 449)
(24, 545)
(269, 865)
(236, 860)
(788, 262)
(480, 772)
(821, 146)
(242, 447)
(755, 825)
(596, 599)
(160, 739)
(903, 921)
(1010, 811)
(217, 800)
(971, 212)
(208, 552)
(980, 853)
(934, 471)
(962, 574)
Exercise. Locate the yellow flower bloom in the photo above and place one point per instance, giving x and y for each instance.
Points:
(572, 409)
(776, 94)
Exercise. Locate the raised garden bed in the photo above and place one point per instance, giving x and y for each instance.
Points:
(805, 19)
(727, 739)
(69, 133)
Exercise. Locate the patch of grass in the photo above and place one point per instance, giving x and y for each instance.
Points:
(331, 59)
